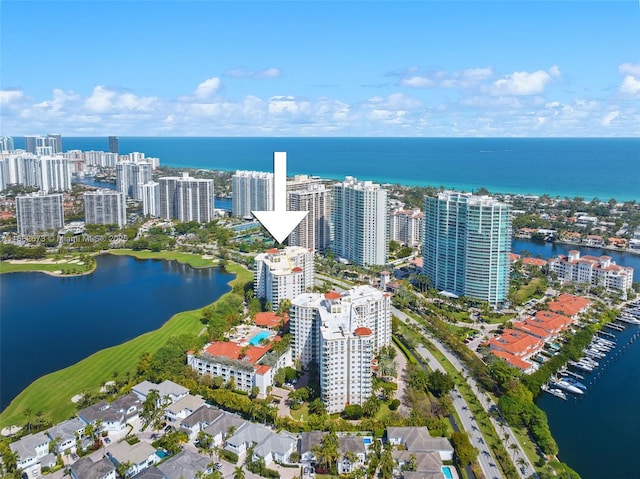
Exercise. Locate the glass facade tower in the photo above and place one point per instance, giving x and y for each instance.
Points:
(466, 246)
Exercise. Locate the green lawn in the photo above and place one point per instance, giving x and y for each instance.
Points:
(52, 393)
(193, 260)
(66, 268)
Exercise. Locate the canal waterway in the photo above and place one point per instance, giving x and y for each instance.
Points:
(597, 434)
(48, 323)
(546, 250)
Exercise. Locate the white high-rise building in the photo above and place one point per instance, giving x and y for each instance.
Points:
(341, 334)
(22, 169)
(167, 193)
(130, 175)
(150, 194)
(283, 274)
(55, 174)
(359, 216)
(194, 199)
(105, 207)
(186, 199)
(251, 191)
(4, 174)
(309, 194)
(100, 158)
(36, 213)
(406, 227)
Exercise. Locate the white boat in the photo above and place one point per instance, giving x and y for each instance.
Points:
(554, 392)
(563, 384)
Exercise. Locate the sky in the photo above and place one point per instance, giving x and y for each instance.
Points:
(566, 68)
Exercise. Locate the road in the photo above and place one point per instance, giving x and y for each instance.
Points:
(465, 414)
(468, 420)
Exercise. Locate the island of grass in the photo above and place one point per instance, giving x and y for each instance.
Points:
(68, 265)
(52, 393)
(193, 260)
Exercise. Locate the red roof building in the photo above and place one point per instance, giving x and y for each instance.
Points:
(514, 361)
(569, 305)
(271, 320)
(517, 343)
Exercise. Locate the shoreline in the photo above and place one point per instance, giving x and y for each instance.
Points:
(141, 255)
(125, 354)
(580, 245)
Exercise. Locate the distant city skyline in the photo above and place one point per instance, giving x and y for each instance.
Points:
(359, 68)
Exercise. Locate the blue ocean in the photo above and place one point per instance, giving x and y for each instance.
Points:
(601, 168)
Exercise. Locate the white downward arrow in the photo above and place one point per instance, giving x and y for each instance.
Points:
(280, 222)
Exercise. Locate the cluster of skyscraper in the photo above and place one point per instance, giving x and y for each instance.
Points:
(43, 165)
(466, 238)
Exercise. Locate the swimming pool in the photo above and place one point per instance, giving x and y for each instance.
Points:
(367, 440)
(161, 454)
(258, 337)
(447, 472)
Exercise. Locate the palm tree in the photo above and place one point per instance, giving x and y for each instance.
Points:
(514, 447)
(238, 473)
(28, 412)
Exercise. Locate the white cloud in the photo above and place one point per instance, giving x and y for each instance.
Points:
(101, 101)
(288, 105)
(630, 85)
(417, 82)
(10, 96)
(442, 79)
(60, 100)
(524, 83)
(244, 73)
(606, 121)
(207, 88)
(477, 74)
(632, 69)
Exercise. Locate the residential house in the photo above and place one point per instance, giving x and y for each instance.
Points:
(224, 426)
(199, 421)
(150, 473)
(418, 439)
(85, 468)
(66, 434)
(276, 447)
(183, 408)
(355, 446)
(166, 389)
(306, 444)
(30, 451)
(245, 436)
(113, 416)
(424, 462)
(140, 455)
(185, 465)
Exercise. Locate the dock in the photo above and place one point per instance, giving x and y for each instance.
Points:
(609, 335)
(617, 327)
(571, 373)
